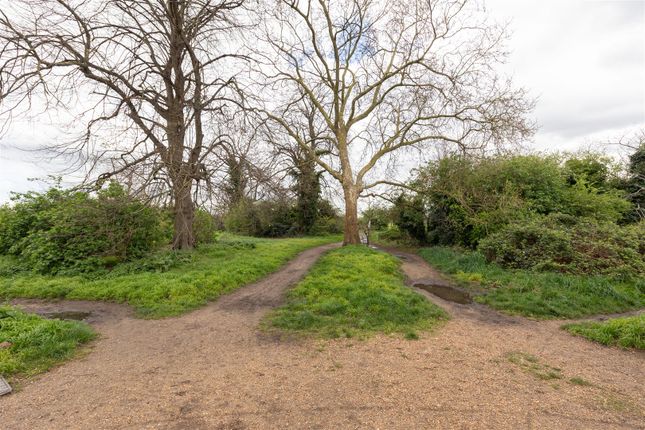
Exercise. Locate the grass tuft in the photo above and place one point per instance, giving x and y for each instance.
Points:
(531, 364)
(355, 291)
(626, 332)
(537, 294)
(159, 290)
(36, 343)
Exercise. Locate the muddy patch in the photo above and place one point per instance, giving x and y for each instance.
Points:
(446, 292)
(66, 315)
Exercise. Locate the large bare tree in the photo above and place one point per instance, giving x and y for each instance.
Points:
(148, 77)
(384, 76)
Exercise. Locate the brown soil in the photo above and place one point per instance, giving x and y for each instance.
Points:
(212, 369)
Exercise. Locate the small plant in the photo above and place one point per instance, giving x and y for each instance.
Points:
(576, 380)
(531, 364)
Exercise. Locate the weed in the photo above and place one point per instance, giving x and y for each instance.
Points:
(576, 380)
(531, 364)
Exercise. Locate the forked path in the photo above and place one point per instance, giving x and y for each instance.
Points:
(212, 369)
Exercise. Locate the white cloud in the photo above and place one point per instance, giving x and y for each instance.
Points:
(583, 59)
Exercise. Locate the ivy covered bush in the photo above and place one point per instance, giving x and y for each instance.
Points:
(74, 231)
(564, 243)
(573, 213)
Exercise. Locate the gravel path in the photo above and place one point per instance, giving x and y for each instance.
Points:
(211, 369)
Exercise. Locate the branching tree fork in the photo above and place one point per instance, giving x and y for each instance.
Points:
(384, 76)
(154, 72)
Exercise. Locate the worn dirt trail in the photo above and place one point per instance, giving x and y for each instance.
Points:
(212, 369)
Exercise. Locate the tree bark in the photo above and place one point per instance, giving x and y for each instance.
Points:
(183, 237)
(352, 236)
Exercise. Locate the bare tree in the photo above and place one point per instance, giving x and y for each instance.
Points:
(151, 71)
(385, 76)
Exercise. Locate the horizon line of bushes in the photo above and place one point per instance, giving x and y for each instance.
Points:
(70, 231)
(572, 214)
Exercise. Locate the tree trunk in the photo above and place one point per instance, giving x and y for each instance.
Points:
(351, 236)
(184, 237)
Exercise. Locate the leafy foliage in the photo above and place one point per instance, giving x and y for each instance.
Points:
(63, 231)
(567, 244)
(37, 343)
(355, 291)
(205, 227)
(279, 218)
(462, 200)
(634, 185)
(627, 332)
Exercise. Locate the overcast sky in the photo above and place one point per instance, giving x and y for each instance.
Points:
(584, 60)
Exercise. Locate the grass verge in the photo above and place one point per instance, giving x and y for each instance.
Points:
(626, 332)
(181, 282)
(355, 291)
(538, 294)
(33, 344)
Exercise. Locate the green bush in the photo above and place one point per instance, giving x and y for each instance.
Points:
(327, 225)
(567, 244)
(462, 200)
(63, 231)
(205, 227)
(278, 218)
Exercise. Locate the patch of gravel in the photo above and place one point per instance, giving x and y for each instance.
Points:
(212, 369)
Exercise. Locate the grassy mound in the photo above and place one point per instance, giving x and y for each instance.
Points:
(174, 284)
(355, 291)
(627, 332)
(36, 343)
(538, 294)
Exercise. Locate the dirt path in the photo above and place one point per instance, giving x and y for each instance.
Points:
(211, 369)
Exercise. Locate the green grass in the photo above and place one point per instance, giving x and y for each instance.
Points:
(37, 344)
(197, 277)
(537, 294)
(355, 291)
(626, 332)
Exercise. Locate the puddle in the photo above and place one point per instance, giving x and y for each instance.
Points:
(68, 315)
(446, 292)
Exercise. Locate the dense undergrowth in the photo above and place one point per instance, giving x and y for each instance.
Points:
(35, 344)
(355, 291)
(564, 213)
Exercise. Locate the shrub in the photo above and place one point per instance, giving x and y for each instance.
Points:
(462, 200)
(204, 227)
(563, 243)
(73, 231)
(262, 218)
